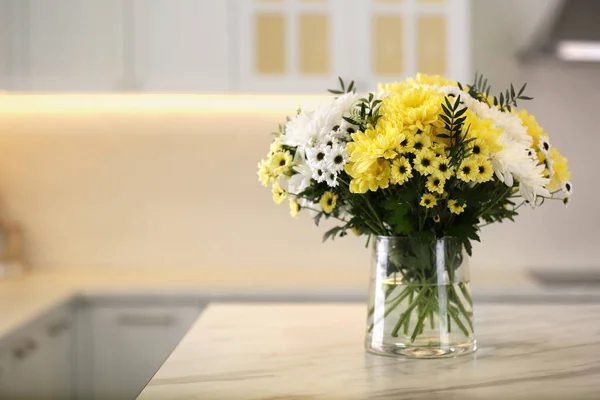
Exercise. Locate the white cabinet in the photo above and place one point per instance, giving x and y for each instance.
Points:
(68, 45)
(37, 359)
(126, 344)
(302, 46)
(181, 46)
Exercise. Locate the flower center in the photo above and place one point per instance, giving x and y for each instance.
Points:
(426, 162)
(338, 159)
(350, 130)
(466, 170)
(329, 202)
(402, 169)
(476, 149)
(281, 163)
(418, 145)
(443, 167)
(335, 128)
(320, 156)
(481, 169)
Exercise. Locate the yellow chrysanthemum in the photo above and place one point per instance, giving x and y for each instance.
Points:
(281, 162)
(435, 183)
(418, 108)
(276, 145)
(484, 169)
(432, 80)
(279, 194)
(328, 201)
(395, 87)
(374, 143)
(428, 200)
(533, 128)
(294, 208)
(560, 166)
(401, 171)
(443, 168)
(425, 162)
(484, 130)
(455, 207)
(406, 145)
(265, 174)
(376, 177)
(420, 142)
(467, 171)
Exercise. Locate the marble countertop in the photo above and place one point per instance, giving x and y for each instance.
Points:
(314, 351)
(24, 298)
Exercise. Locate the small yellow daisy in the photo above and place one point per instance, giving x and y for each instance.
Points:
(467, 170)
(294, 208)
(435, 183)
(443, 167)
(401, 171)
(428, 200)
(355, 231)
(436, 219)
(279, 194)
(425, 162)
(281, 162)
(485, 172)
(328, 201)
(421, 142)
(456, 208)
(406, 145)
(480, 148)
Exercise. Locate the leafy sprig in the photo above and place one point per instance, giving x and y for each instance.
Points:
(349, 89)
(454, 121)
(480, 90)
(367, 112)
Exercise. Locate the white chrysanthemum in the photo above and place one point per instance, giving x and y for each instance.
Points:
(514, 162)
(331, 178)
(315, 156)
(300, 180)
(545, 146)
(567, 189)
(337, 157)
(299, 130)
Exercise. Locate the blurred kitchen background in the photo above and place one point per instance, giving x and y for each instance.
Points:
(130, 132)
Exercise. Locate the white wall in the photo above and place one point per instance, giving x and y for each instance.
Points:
(148, 187)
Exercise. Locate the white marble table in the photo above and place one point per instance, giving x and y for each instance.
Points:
(314, 351)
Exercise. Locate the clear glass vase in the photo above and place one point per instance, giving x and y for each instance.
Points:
(419, 299)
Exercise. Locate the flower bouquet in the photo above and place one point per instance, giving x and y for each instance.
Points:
(418, 167)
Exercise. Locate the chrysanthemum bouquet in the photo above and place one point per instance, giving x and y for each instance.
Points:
(426, 158)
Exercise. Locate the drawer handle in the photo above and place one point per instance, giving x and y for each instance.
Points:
(23, 351)
(146, 320)
(57, 328)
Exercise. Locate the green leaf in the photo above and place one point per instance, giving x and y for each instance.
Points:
(522, 89)
(512, 90)
(525, 98)
(501, 100)
(333, 232)
(443, 135)
(351, 87)
(341, 83)
(400, 218)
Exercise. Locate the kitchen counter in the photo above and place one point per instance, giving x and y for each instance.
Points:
(22, 299)
(314, 351)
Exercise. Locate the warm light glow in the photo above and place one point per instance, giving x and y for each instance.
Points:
(156, 103)
(578, 51)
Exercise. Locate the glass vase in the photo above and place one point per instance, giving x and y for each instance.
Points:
(419, 299)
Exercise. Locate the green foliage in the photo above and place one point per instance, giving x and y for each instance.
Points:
(505, 101)
(366, 114)
(349, 89)
(399, 217)
(454, 120)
